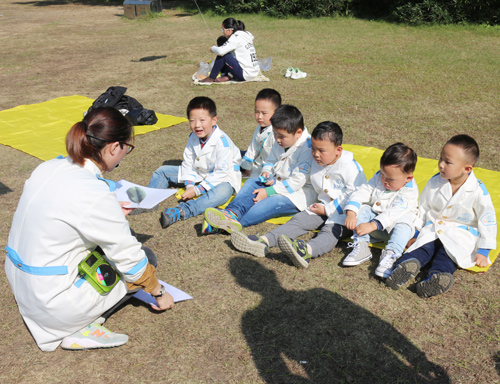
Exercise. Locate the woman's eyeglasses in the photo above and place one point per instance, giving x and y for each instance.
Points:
(130, 147)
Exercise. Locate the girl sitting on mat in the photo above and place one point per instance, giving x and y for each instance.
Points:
(236, 59)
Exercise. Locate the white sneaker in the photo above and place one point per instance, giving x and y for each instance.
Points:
(93, 336)
(387, 260)
(298, 74)
(358, 255)
(288, 71)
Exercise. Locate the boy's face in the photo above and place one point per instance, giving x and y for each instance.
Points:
(286, 139)
(201, 123)
(324, 152)
(393, 177)
(453, 162)
(264, 110)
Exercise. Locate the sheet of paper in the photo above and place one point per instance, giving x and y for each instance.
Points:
(139, 196)
(176, 293)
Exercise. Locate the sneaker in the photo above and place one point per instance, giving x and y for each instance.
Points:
(405, 271)
(296, 250)
(387, 260)
(93, 336)
(288, 71)
(207, 229)
(222, 219)
(170, 216)
(252, 244)
(138, 211)
(297, 74)
(360, 253)
(435, 285)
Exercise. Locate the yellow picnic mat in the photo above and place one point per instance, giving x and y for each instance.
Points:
(369, 158)
(40, 129)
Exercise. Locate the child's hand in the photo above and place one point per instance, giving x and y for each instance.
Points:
(165, 302)
(189, 194)
(410, 242)
(318, 209)
(246, 172)
(261, 194)
(270, 182)
(366, 228)
(350, 220)
(267, 175)
(125, 210)
(481, 261)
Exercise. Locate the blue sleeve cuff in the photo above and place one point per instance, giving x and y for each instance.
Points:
(379, 226)
(483, 251)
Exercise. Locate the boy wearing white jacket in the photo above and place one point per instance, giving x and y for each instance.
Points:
(457, 220)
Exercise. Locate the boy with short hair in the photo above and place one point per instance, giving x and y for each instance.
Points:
(459, 222)
(209, 170)
(266, 102)
(384, 209)
(282, 189)
(334, 176)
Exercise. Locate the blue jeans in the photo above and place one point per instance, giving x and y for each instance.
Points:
(227, 64)
(167, 176)
(396, 239)
(433, 251)
(250, 213)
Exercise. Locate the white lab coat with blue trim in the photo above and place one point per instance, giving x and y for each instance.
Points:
(64, 212)
(335, 183)
(258, 151)
(217, 162)
(292, 170)
(391, 207)
(463, 222)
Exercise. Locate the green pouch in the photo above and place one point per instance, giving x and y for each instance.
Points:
(98, 272)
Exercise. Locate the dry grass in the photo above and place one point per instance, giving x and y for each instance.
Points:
(254, 320)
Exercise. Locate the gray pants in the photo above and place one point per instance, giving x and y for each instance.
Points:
(302, 223)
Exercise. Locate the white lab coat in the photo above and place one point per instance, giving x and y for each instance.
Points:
(292, 171)
(240, 45)
(335, 183)
(258, 151)
(217, 162)
(64, 212)
(463, 222)
(392, 207)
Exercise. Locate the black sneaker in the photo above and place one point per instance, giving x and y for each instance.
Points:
(435, 285)
(403, 273)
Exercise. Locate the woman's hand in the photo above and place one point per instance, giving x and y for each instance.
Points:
(165, 302)
(125, 210)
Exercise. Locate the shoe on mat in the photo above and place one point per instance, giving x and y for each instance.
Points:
(296, 250)
(222, 79)
(222, 219)
(252, 244)
(207, 229)
(386, 264)
(360, 253)
(297, 74)
(207, 80)
(170, 216)
(437, 284)
(138, 211)
(405, 271)
(93, 336)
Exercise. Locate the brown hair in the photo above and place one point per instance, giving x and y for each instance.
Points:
(87, 138)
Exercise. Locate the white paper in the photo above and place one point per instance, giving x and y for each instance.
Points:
(151, 196)
(176, 293)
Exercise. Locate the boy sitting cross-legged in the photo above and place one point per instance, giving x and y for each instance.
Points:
(334, 175)
(384, 209)
(210, 167)
(283, 187)
(459, 222)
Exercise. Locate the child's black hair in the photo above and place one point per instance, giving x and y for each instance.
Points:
(232, 23)
(289, 118)
(202, 102)
(401, 155)
(221, 40)
(468, 144)
(269, 94)
(328, 130)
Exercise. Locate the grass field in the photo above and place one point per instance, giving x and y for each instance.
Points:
(263, 320)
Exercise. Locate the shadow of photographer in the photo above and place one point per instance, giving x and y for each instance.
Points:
(317, 336)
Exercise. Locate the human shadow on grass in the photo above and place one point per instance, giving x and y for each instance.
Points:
(317, 336)
(4, 189)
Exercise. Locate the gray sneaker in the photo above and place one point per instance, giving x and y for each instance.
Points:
(405, 271)
(252, 244)
(360, 253)
(93, 336)
(387, 260)
(435, 285)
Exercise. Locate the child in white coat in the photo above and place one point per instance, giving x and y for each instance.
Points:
(458, 222)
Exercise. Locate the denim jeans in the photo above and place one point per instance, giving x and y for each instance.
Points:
(250, 213)
(227, 64)
(167, 176)
(433, 251)
(396, 239)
